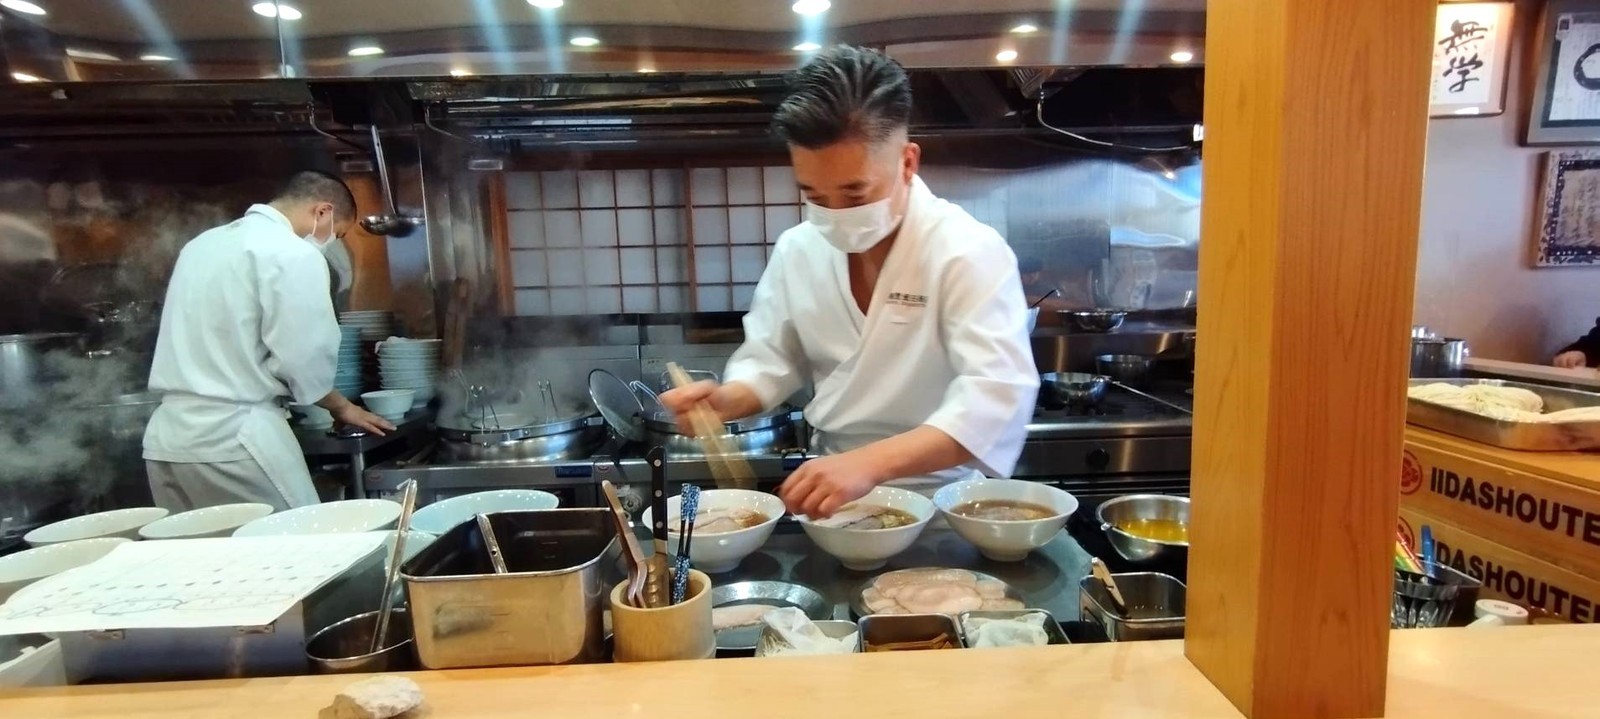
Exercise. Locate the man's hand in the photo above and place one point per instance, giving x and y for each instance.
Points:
(820, 486)
(1571, 360)
(358, 417)
(730, 401)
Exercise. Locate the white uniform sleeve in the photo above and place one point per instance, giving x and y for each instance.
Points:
(985, 332)
(771, 359)
(298, 325)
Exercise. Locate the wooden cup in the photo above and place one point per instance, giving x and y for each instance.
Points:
(681, 631)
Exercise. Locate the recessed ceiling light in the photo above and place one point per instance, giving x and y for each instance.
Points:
(75, 53)
(25, 77)
(547, 4)
(1182, 56)
(460, 72)
(365, 51)
(585, 41)
(1006, 55)
(278, 10)
(24, 7)
(807, 47)
(155, 58)
(811, 7)
(647, 69)
(1025, 28)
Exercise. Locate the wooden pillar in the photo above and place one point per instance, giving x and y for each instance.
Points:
(1315, 117)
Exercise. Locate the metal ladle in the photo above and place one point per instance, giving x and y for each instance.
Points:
(391, 223)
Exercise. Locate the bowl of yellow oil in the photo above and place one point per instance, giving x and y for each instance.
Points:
(1145, 527)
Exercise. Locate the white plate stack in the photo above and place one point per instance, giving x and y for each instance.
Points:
(410, 364)
(374, 324)
(347, 372)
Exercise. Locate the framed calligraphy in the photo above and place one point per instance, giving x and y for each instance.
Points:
(1471, 56)
(1566, 90)
(1569, 210)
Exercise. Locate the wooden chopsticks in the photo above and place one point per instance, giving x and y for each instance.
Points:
(727, 466)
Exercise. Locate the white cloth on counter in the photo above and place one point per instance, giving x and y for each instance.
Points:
(944, 341)
(798, 635)
(1024, 631)
(247, 322)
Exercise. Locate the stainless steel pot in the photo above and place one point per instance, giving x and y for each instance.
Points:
(23, 375)
(764, 433)
(1438, 356)
(1078, 389)
(1095, 320)
(572, 438)
(1127, 369)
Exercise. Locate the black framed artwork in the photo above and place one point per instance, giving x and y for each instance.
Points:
(1569, 210)
(1566, 91)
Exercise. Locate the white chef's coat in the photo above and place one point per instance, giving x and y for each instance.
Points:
(247, 322)
(944, 341)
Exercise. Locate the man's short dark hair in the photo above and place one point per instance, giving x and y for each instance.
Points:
(319, 186)
(845, 93)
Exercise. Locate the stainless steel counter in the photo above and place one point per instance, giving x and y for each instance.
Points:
(1047, 578)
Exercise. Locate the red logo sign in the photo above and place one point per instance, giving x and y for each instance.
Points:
(1406, 534)
(1410, 474)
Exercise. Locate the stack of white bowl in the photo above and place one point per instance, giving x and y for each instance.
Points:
(347, 372)
(374, 324)
(410, 364)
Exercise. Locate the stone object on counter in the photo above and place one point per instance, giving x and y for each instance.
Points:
(379, 697)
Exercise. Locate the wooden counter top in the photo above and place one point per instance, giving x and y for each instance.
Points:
(1577, 468)
(1513, 671)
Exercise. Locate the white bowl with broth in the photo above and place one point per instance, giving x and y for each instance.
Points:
(863, 549)
(1005, 518)
(730, 525)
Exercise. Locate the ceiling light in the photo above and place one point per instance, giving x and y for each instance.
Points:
(25, 77)
(460, 72)
(807, 47)
(365, 51)
(647, 70)
(155, 58)
(811, 7)
(278, 10)
(1182, 56)
(584, 41)
(547, 4)
(24, 7)
(75, 53)
(287, 12)
(1024, 29)
(1006, 55)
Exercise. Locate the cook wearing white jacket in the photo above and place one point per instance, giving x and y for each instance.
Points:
(904, 313)
(249, 321)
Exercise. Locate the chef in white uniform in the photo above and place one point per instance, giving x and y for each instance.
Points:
(248, 322)
(903, 312)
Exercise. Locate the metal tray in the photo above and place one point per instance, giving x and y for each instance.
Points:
(858, 608)
(1052, 628)
(777, 594)
(1528, 436)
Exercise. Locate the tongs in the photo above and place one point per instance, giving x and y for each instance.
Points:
(727, 466)
(632, 552)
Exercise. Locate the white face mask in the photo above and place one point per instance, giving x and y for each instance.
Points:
(319, 242)
(854, 229)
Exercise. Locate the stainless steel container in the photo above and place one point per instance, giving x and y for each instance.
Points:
(771, 643)
(1155, 606)
(1075, 389)
(879, 629)
(1438, 356)
(276, 649)
(547, 607)
(765, 433)
(574, 438)
(23, 374)
(1120, 511)
(1127, 369)
(1052, 628)
(1095, 320)
(345, 647)
(1525, 436)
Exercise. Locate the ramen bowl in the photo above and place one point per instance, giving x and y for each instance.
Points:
(723, 551)
(115, 523)
(868, 549)
(1005, 540)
